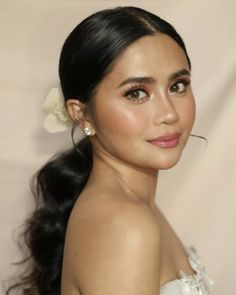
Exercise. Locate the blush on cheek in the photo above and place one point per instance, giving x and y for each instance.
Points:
(125, 122)
(190, 113)
(122, 121)
(192, 110)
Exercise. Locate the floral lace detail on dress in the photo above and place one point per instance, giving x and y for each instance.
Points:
(199, 283)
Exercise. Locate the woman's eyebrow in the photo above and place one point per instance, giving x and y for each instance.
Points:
(146, 80)
(149, 80)
(183, 72)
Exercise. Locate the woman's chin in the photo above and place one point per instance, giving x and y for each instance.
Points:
(168, 166)
(167, 162)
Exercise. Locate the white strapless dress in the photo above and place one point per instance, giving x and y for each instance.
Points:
(197, 284)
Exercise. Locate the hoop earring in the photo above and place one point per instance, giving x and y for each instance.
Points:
(75, 124)
(83, 141)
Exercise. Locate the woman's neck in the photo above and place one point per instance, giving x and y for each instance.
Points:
(135, 181)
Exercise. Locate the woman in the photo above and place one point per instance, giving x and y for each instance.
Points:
(125, 77)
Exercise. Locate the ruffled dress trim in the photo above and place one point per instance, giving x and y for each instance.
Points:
(198, 283)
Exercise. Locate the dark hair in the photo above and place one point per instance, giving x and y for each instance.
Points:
(87, 56)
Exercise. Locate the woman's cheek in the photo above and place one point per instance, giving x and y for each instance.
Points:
(122, 120)
(189, 113)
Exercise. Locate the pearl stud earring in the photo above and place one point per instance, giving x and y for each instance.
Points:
(88, 130)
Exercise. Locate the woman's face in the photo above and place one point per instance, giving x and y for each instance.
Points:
(147, 95)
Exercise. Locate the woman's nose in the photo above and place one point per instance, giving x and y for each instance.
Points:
(165, 111)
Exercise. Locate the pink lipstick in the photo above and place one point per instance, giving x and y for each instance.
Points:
(166, 141)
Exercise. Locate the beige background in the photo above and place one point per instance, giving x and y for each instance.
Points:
(198, 196)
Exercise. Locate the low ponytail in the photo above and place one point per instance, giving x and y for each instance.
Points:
(56, 187)
(87, 57)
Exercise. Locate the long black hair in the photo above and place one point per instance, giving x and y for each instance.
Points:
(87, 56)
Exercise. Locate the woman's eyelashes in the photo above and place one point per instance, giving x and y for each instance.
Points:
(180, 86)
(136, 93)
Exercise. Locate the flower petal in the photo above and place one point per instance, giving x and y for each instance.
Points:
(53, 125)
(53, 99)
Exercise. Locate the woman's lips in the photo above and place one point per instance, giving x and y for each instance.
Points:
(166, 141)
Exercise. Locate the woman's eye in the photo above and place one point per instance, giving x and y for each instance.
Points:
(136, 94)
(179, 87)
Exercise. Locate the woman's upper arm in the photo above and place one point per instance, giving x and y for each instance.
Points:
(121, 256)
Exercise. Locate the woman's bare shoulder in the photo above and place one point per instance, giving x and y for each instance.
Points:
(110, 233)
(115, 210)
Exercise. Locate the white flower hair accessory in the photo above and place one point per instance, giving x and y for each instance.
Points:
(57, 119)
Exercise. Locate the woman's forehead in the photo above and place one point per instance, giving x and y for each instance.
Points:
(154, 55)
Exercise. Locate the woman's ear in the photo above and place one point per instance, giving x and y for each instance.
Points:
(76, 109)
(78, 112)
